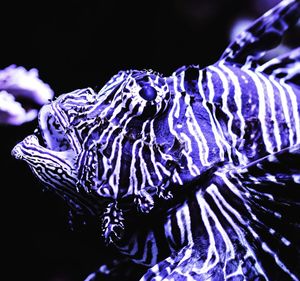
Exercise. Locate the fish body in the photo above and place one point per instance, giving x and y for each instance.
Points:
(200, 155)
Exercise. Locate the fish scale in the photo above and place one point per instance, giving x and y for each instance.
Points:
(193, 175)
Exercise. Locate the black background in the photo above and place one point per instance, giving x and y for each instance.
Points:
(75, 44)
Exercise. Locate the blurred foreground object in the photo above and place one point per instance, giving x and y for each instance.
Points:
(22, 93)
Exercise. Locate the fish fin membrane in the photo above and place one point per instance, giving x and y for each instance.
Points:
(264, 34)
(250, 225)
(270, 188)
(285, 67)
(192, 263)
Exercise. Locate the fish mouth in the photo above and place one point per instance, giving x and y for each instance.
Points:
(49, 142)
(53, 163)
(44, 164)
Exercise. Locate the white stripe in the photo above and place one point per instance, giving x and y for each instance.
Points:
(111, 84)
(115, 100)
(270, 94)
(168, 233)
(176, 178)
(212, 250)
(181, 84)
(183, 219)
(181, 224)
(278, 261)
(133, 186)
(233, 188)
(175, 110)
(193, 169)
(211, 88)
(225, 103)
(218, 138)
(114, 179)
(163, 168)
(187, 214)
(152, 154)
(219, 198)
(212, 189)
(238, 103)
(294, 109)
(143, 166)
(196, 132)
(261, 109)
(285, 109)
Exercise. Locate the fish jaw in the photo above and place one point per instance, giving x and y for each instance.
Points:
(53, 168)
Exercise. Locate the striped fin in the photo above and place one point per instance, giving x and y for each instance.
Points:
(285, 67)
(188, 262)
(271, 188)
(261, 204)
(264, 34)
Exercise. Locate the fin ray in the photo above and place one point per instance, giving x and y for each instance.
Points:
(262, 225)
(264, 34)
(285, 67)
(273, 200)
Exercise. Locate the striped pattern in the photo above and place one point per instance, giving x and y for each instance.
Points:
(201, 154)
(232, 227)
(60, 176)
(264, 34)
(222, 114)
(264, 119)
(112, 149)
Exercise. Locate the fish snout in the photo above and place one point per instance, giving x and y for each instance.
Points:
(20, 149)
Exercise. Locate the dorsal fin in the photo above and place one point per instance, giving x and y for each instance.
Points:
(264, 34)
(285, 67)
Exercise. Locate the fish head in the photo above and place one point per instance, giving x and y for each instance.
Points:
(112, 143)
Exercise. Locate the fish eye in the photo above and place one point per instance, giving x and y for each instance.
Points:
(144, 94)
(148, 93)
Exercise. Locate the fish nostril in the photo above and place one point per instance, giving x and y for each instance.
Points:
(148, 93)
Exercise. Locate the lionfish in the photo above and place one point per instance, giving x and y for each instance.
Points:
(195, 176)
